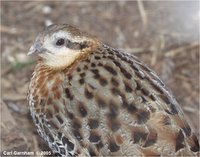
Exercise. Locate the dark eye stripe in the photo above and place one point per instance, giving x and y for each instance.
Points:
(75, 45)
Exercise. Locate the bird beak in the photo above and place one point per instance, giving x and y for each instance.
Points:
(36, 48)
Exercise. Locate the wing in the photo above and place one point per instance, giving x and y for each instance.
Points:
(113, 104)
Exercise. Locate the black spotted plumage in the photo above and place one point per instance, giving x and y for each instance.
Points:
(104, 103)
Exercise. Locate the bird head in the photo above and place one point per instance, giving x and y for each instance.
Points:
(61, 45)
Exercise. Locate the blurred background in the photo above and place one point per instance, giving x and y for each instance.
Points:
(165, 35)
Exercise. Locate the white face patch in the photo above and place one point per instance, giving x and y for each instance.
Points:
(62, 59)
(59, 56)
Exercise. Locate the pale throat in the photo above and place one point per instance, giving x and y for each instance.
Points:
(61, 60)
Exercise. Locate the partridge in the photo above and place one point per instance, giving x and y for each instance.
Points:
(88, 99)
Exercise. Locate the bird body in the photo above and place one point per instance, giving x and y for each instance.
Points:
(88, 99)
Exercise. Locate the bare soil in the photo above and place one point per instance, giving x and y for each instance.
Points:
(165, 35)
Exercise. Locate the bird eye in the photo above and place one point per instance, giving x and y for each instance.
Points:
(60, 42)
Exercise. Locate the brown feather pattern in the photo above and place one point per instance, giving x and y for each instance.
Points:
(108, 103)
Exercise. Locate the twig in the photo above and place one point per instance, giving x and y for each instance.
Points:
(135, 50)
(154, 58)
(35, 145)
(174, 52)
(13, 97)
(189, 109)
(182, 77)
(8, 30)
(156, 48)
(142, 13)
